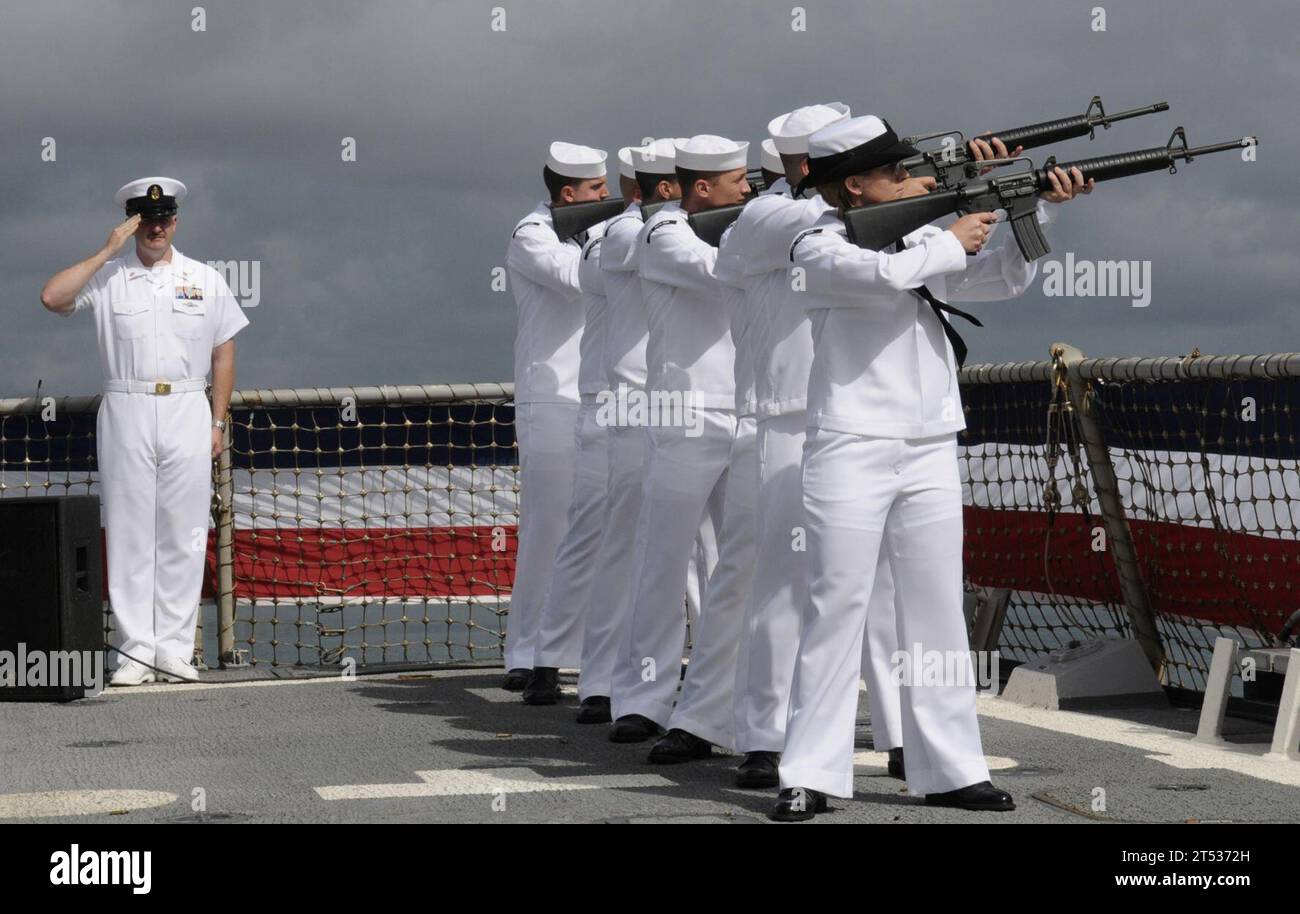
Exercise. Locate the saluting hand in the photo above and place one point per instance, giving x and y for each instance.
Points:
(1066, 186)
(973, 231)
(118, 237)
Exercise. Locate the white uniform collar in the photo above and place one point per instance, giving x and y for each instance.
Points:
(780, 186)
(137, 269)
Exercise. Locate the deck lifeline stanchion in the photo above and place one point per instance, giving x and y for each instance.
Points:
(1286, 732)
(1119, 539)
(1218, 684)
(225, 490)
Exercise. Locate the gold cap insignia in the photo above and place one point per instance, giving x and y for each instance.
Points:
(155, 192)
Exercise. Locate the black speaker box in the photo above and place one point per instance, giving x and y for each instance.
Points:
(51, 588)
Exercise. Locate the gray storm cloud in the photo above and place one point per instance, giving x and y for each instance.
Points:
(380, 271)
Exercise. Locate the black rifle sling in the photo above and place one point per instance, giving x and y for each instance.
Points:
(958, 344)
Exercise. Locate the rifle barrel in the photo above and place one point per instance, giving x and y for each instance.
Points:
(1223, 147)
(1106, 168)
(1132, 112)
(1048, 132)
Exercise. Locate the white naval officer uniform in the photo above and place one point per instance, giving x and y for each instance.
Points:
(563, 614)
(543, 274)
(783, 352)
(623, 365)
(781, 340)
(690, 356)
(626, 336)
(706, 706)
(628, 442)
(880, 463)
(157, 328)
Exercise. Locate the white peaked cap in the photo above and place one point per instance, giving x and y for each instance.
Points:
(844, 135)
(658, 157)
(790, 132)
(770, 158)
(625, 167)
(140, 187)
(573, 161)
(706, 152)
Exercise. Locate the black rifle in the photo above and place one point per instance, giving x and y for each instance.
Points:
(649, 209)
(574, 218)
(709, 224)
(877, 226)
(953, 164)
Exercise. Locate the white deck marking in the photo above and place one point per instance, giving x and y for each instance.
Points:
(79, 802)
(323, 679)
(456, 782)
(1171, 747)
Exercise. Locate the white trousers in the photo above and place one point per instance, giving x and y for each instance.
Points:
(545, 432)
(685, 483)
(859, 491)
(155, 475)
(769, 637)
(559, 642)
(605, 626)
(706, 706)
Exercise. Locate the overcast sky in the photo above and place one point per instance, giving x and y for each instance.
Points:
(379, 271)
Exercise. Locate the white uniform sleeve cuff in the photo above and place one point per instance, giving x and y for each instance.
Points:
(951, 250)
(1046, 212)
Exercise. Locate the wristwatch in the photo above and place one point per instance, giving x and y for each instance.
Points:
(219, 423)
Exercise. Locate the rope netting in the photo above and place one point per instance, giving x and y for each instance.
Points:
(378, 525)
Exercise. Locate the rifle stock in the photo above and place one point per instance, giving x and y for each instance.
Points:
(574, 218)
(649, 209)
(878, 225)
(709, 224)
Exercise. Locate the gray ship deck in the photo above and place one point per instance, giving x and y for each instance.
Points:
(449, 746)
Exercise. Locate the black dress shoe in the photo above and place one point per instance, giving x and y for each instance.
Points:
(543, 686)
(678, 746)
(896, 769)
(633, 728)
(982, 796)
(758, 770)
(516, 680)
(798, 804)
(594, 710)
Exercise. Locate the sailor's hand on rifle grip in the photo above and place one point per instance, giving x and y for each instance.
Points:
(1066, 186)
(918, 187)
(992, 148)
(973, 231)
